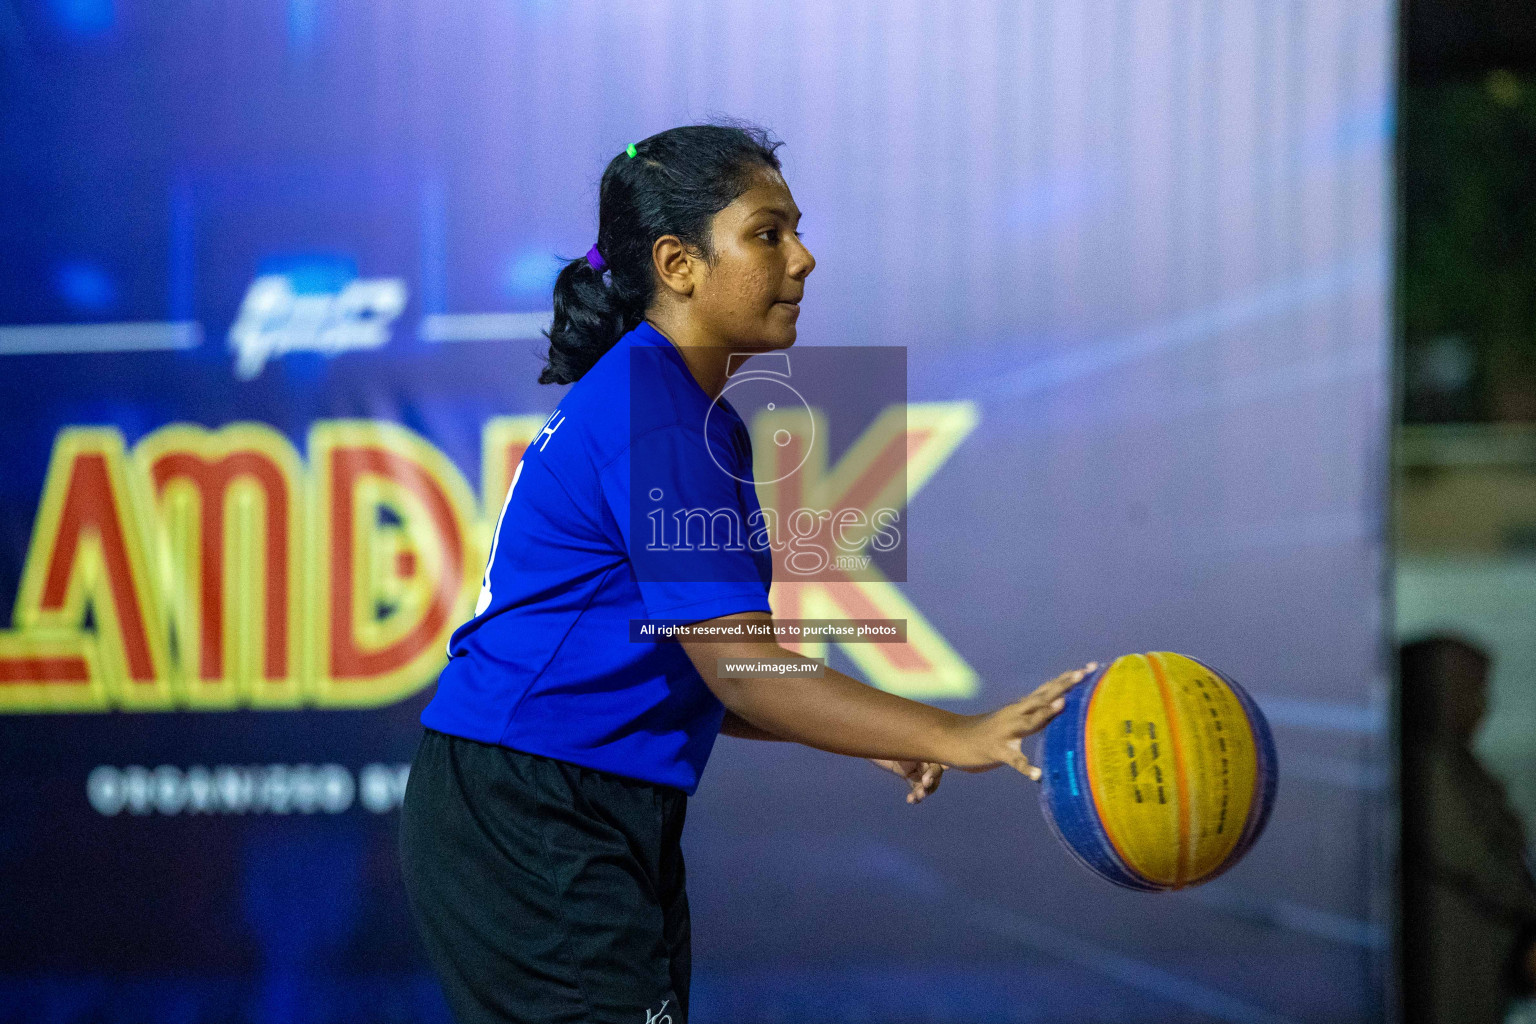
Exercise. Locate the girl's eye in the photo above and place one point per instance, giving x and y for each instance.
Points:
(771, 235)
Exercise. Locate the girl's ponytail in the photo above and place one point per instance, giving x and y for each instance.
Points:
(590, 316)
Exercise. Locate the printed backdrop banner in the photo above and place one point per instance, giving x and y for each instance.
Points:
(273, 280)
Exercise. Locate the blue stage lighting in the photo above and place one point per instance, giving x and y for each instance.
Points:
(86, 287)
(85, 18)
(311, 273)
(529, 274)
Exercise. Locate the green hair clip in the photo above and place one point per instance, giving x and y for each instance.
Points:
(629, 150)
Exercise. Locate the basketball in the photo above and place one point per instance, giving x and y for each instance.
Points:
(1159, 773)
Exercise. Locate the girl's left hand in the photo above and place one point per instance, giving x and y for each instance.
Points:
(922, 776)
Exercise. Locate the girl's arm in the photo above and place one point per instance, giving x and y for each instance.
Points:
(735, 725)
(837, 713)
(922, 777)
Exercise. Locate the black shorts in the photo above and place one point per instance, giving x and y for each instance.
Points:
(545, 892)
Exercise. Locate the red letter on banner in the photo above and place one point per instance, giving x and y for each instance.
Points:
(393, 516)
(229, 506)
(88, 560)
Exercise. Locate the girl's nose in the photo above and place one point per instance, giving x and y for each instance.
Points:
(801, 266)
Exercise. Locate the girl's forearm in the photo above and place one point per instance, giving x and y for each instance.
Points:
(735, 725)
(832, 712)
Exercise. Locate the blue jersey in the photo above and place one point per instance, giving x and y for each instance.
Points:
(635, 502)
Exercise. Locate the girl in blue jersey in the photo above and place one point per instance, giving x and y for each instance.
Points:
(541, 824)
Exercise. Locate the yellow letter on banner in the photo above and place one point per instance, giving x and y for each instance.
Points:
(230, 511)
(89, 627)
(868, 478)
(393, 522)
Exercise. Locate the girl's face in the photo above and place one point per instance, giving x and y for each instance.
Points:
(749, 296)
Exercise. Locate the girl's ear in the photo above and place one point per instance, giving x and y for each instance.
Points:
(676, 268)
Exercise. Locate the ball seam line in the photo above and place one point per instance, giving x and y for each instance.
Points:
(1181, 871)
(1101, 811)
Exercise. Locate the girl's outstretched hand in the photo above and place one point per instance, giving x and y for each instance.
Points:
(922, 776)
(986, 741)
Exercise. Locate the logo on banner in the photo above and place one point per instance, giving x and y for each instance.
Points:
(221, 569)
(276, 319)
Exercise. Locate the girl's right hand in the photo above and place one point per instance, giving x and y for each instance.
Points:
(984, 742)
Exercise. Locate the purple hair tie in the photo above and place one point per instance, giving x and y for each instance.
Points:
(595, 258)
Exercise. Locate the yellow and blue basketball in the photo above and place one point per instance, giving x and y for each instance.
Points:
(1159, 773)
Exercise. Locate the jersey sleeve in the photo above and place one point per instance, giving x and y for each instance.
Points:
(681, 515)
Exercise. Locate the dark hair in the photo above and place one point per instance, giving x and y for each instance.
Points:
(674, 185)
